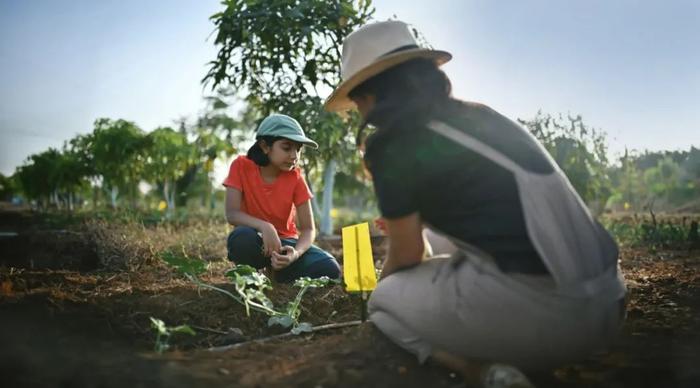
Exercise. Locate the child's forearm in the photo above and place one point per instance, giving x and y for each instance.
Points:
(306, 238)
(239, 218)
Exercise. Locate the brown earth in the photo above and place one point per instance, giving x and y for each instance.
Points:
(81, 326)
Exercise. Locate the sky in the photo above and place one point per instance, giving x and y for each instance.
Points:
(630, 68)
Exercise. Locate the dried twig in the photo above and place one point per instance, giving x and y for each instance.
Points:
(285, 335)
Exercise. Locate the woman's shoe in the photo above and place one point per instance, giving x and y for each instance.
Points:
(504, 376)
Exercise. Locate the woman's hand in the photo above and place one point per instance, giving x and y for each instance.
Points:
(406, 245)
(284, 258)
(271, 241)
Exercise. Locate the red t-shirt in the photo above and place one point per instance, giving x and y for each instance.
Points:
(274, 202)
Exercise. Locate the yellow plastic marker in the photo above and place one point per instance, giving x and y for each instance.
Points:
(358, 263)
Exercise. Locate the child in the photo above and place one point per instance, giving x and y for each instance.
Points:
(265, 190)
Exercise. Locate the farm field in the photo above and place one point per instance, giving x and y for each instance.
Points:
(74, 312)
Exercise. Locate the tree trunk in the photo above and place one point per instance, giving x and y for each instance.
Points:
(212, 197)
(95, 197)
(113, 194)
(315, 208)
(53, 199)
(169, 193)
(134, 194)
(328, 183)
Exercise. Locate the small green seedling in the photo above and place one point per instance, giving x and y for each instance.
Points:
(290, 317)
(250, 288)
(164, 332)
(249, 284)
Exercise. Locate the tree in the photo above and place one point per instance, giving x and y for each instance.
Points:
(70, 175)
(81, 147)
(33, 176)
(7, 187)
(52, 177)
(629, 189)
(670, 177)
(579, 150)
(690, 174)
(216, 134)
(278, 54)
(116, 148)
(663, 179)
(169, 156)
(213, 135)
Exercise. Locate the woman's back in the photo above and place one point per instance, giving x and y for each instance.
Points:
(458, 191)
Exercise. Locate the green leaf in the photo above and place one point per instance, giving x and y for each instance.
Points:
(159, 326)
(303, 327)
(184, 264)
(185, 329)
(241, 270)
(315, 283)
(282, 320)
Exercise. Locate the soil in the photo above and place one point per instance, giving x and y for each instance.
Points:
(64, 323)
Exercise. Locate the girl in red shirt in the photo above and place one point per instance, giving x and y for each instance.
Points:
(265, 191)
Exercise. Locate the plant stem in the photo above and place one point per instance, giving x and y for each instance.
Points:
(295, 305)
(245, 301)
(255, 306)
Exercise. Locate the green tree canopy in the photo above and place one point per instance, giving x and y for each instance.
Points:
(579, 150)
(7, 187)
(278, 54)
(116, 148)
(168, 158)
(50, 175)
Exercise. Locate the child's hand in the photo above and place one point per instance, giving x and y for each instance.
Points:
(271, 241)
(284, 258)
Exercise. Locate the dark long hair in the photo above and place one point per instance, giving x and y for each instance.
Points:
(255, 152)
(407, 95)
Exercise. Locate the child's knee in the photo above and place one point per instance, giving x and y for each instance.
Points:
(327, 267)
(241, 237)
(244, 247)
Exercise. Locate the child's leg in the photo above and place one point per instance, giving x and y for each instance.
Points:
(245, 247)
(328, 267)
(314, 263)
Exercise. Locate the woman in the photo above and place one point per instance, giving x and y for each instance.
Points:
(265, 192)
(532, 281)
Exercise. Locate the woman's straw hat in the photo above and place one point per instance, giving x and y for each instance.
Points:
(372, 49)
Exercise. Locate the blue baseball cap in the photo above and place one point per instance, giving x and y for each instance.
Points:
(286, 127)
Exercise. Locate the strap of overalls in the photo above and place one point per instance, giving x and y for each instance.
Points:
(476, 146)
(604, 281)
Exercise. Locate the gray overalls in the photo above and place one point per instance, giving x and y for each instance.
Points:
(466, 306)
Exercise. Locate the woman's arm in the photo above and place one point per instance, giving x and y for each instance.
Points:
(406, 247)
(234, 216)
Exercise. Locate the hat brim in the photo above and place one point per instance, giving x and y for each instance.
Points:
(339, 100)
(303, 140)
